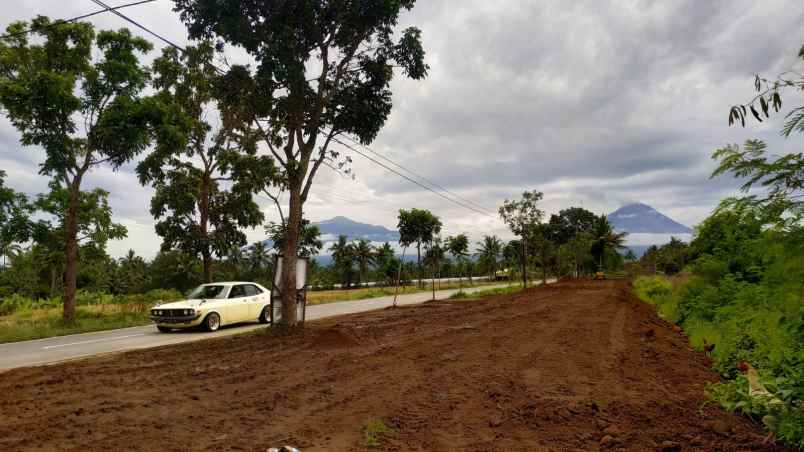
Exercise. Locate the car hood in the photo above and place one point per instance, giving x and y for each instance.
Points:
(184, 304)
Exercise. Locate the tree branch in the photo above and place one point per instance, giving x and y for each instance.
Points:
(317, 164)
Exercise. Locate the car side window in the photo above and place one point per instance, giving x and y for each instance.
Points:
(237, 292)
(252, 290)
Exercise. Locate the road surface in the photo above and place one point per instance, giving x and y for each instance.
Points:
(63, 348)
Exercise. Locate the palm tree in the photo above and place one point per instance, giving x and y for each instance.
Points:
(259, 257)
(433, 258)
(458, 246)
(488, 253)
(384, 261)
(604, 237)
(342, 256)
(363, 253)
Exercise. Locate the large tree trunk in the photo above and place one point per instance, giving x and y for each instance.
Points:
(288, 283)
(203, 207)
(71, 255)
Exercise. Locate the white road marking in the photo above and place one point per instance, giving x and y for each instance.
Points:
(90, 342)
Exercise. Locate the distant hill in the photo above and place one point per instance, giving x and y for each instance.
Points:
(643, 219)
(354, 230)
(331, 229)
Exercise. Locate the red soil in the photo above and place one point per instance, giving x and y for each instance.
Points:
(572, 366)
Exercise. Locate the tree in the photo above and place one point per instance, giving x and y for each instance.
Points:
(458, 247)
(570, 222)
(781, 177)
(343, 255)
(540, 238)
(433, 258)
(93, 226)
(323, 70)
(15, 227)
(580, 246)
(386, 263)
(83, 112)
(605, 238)
(420, 227)
(522, 217)
(489, 251)
(175, 269)
(309, 244)
(364, 255)
(132, 275)
(196, 212)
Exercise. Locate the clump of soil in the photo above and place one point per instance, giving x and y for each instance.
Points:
(579, 365)
(335, 337)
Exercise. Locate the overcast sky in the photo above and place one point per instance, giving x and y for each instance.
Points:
(595, 103)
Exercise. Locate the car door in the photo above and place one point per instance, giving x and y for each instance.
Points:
(257, 300)
(238, 304)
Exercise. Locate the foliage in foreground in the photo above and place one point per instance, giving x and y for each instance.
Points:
(745, 296)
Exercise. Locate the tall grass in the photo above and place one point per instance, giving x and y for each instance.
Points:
(24, 319)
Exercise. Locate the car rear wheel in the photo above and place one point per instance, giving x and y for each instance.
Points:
(265, 315)
(164, 329)
(212, 322)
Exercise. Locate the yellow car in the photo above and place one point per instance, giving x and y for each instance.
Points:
(212, 305)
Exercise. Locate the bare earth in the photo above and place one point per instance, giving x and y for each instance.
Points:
(571, 366)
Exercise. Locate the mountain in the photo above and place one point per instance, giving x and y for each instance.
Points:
(643, 219)
(331, 229)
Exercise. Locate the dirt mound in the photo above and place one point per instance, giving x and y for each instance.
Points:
(579, 365)
(335, 337)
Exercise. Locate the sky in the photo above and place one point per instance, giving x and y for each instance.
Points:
(596, 104)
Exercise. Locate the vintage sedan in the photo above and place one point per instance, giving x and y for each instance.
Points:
(212, 305)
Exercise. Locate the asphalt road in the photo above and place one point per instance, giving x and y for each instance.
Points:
(63, 348)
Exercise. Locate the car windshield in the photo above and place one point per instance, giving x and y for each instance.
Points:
(208, 292)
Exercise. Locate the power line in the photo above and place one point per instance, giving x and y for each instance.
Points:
(138, 25)
(465, 204)
(375, 161)
(74, 19)
(419, 176)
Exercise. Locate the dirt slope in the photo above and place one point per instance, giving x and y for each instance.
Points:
(572, 366)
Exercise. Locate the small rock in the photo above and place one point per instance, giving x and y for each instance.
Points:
(720, 427)
(602, 424)
(696, 441)
(607, 440)
(496, 421)
(670, 446)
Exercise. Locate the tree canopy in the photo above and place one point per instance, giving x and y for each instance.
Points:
(77, 95)
(324, 69)
(204, 190)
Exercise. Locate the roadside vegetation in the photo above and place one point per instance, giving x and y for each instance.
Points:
(514, 288)
(740, 293)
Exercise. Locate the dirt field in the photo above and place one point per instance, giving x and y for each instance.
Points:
(572, 366)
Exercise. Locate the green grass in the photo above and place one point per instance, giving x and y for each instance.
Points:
(375, 431)
(47, 322)
(514, 288)
(334, 296)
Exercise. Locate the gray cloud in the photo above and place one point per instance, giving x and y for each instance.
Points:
(599, 103)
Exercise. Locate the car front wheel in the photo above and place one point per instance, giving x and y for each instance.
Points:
(212, 322)
(265, 315)
(164, 329)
